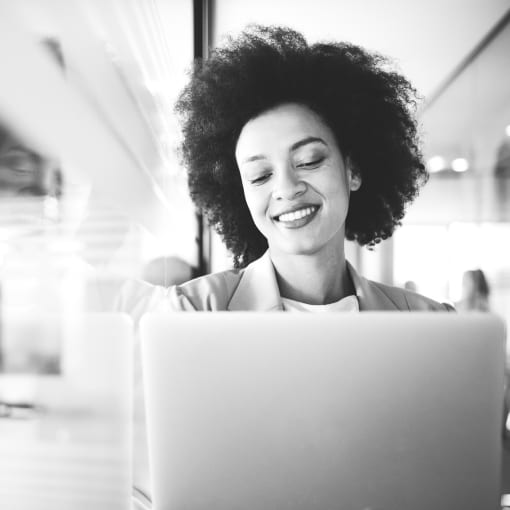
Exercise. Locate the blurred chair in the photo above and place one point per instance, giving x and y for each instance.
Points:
(167, 271)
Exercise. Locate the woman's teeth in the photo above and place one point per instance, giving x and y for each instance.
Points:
(296, 215)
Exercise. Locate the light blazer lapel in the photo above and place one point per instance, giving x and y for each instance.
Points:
(370, 296)
(258, 288)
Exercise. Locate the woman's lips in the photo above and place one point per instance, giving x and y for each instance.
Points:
(298, 217)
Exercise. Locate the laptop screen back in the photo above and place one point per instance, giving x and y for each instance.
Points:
(337, 411)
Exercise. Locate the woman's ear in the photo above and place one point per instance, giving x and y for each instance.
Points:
(354, 179)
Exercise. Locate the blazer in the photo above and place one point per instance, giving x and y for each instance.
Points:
(255, 288)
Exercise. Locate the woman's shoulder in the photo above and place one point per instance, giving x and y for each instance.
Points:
(210, 292)
(137, 297)
(206, 293)
(408, 300)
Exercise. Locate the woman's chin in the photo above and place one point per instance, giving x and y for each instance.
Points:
(304, 248)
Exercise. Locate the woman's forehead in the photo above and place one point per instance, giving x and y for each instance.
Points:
(281, 127)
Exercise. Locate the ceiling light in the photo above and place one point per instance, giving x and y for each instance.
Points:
(460, 165)
(436, 164)
(507, 130)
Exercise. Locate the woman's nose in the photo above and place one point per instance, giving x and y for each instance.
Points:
(288, 185)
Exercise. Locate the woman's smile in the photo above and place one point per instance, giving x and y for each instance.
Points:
(298, 217)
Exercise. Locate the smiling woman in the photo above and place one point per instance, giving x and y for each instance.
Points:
(290, 149)
(297, 188)
(297, 185)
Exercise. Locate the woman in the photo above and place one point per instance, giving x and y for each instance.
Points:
(291, 148)
(475, 292)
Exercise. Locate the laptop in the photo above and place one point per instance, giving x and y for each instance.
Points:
(371, 411)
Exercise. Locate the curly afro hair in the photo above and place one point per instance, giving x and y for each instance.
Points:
(369, 109)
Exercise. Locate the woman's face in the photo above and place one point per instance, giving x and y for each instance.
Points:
(21, 169)
(295, 181)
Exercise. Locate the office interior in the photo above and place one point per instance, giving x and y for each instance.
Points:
(93, 194)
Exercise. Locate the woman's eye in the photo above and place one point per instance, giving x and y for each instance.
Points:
(21, 163)
(260, 180)
(310, 164)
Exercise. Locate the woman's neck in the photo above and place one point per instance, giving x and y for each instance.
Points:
(317, 279)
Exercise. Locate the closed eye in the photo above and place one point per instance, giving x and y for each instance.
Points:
(260, 180)
(310, 164)
(19, 163)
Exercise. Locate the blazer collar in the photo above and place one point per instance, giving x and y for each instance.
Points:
(370, 295)
(258, 290)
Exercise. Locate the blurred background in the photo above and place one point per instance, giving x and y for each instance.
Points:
(92, 192)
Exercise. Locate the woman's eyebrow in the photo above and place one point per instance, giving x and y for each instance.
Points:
(257, 157)
(305, 141)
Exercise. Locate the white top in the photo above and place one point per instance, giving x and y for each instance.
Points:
(346, 304)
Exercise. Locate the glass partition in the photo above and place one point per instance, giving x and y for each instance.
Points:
(91, 194)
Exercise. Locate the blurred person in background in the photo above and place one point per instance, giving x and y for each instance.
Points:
(475, 292)
(31, 272)
(24, 172)
(27, 180)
